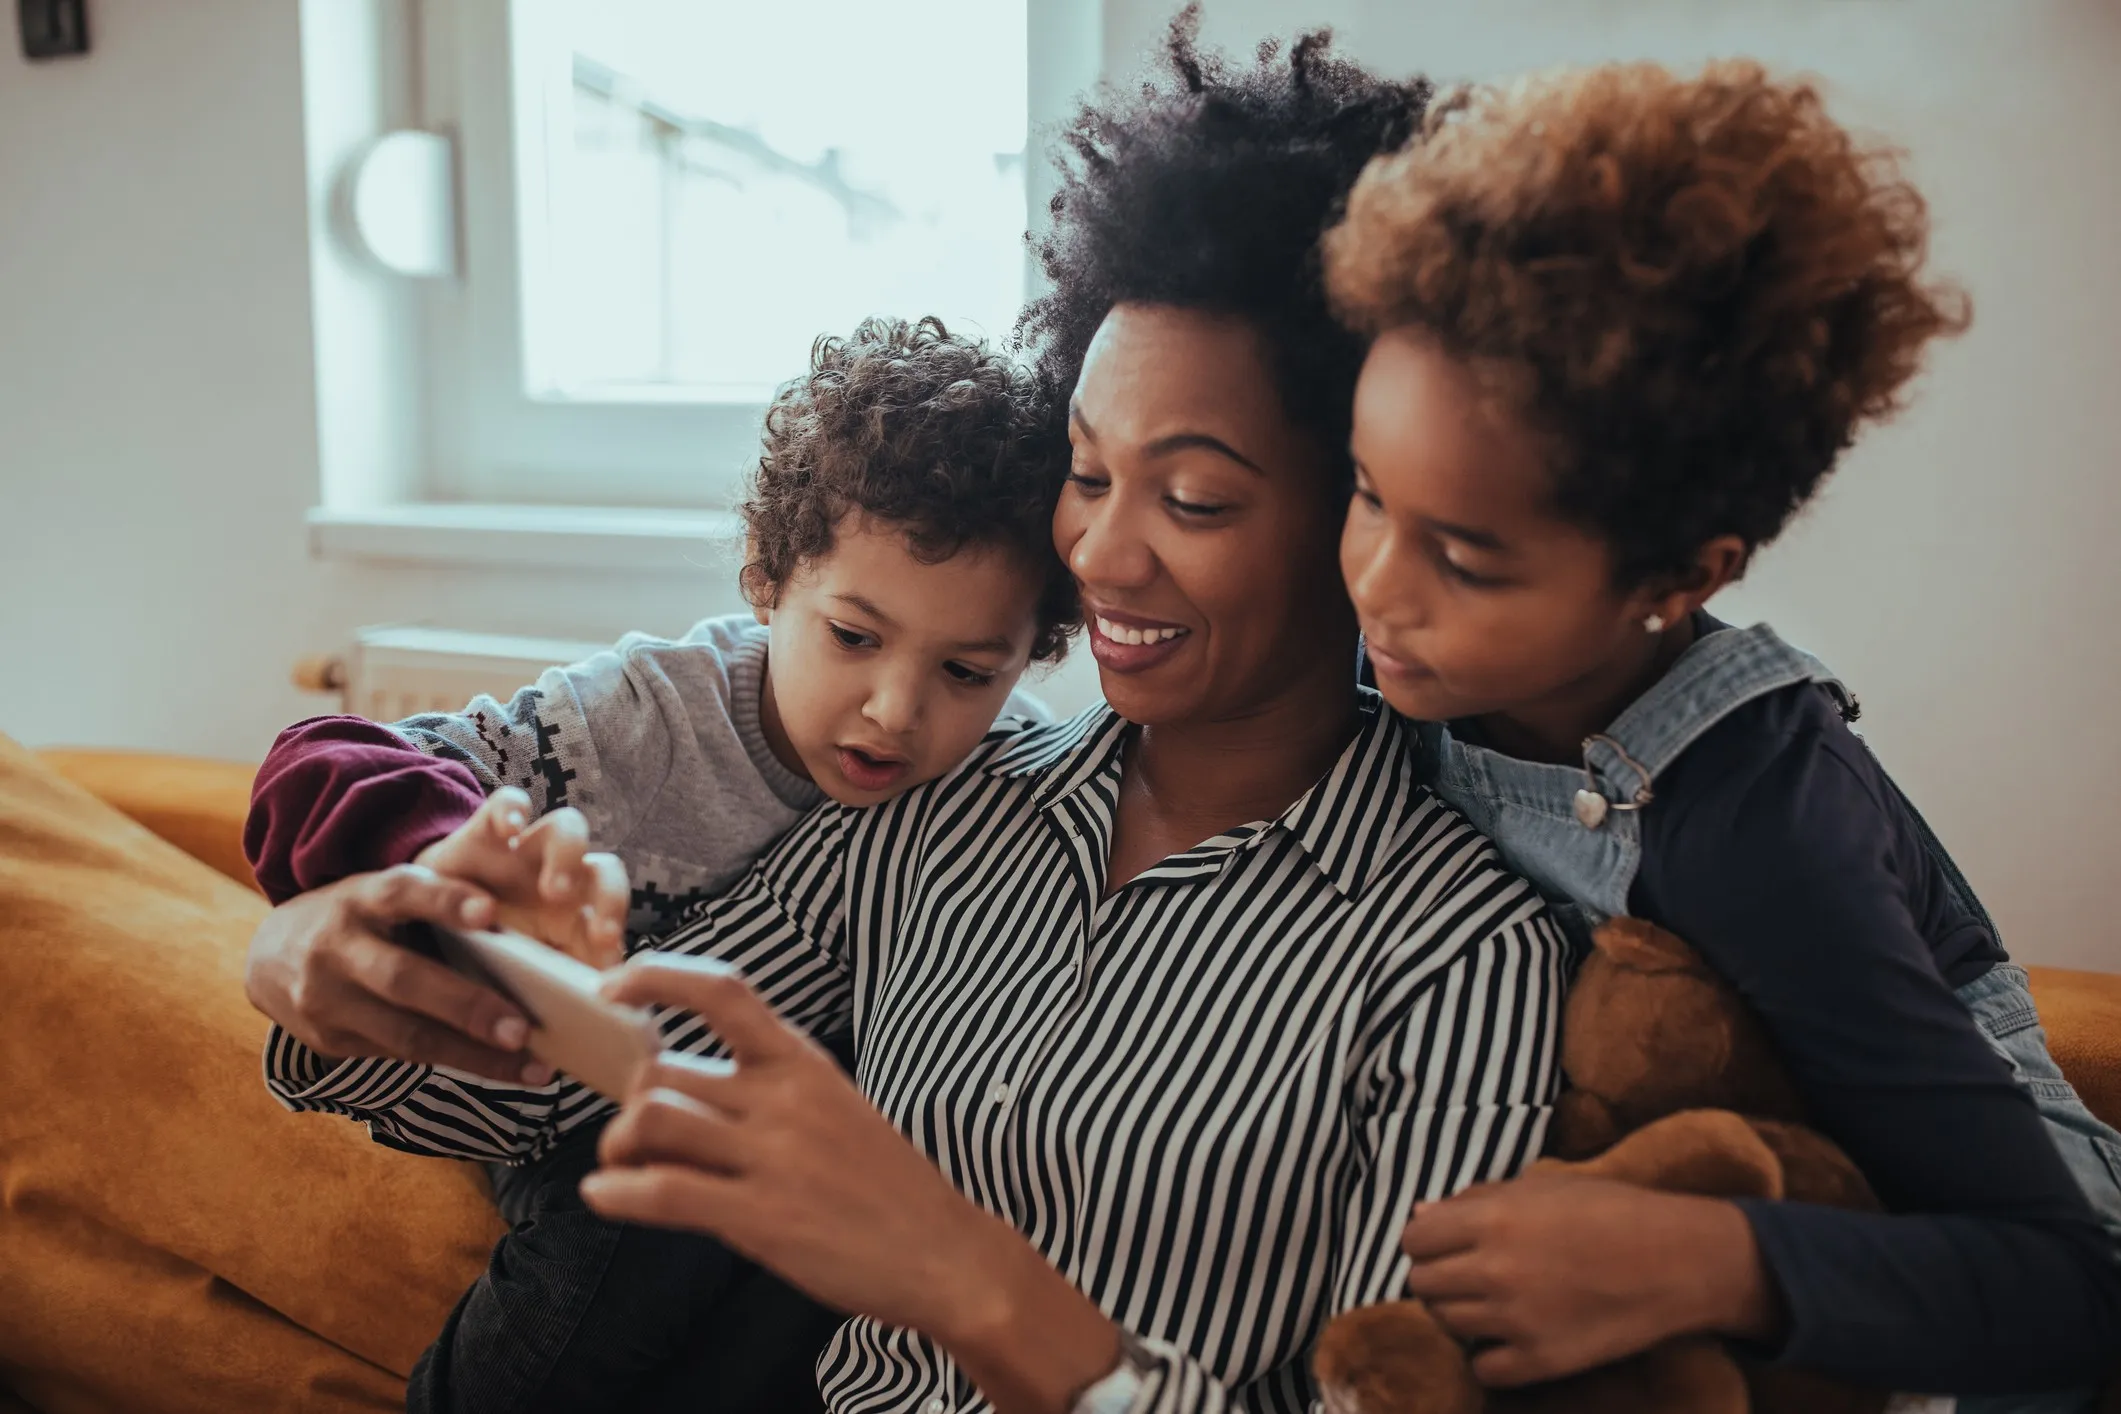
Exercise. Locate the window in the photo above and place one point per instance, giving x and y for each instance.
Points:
(665, 202)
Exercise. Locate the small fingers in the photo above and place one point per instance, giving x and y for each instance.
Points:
(561, 839)
(506, 814)
(605, 916)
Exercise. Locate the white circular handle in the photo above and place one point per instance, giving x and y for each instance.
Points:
(402, 197)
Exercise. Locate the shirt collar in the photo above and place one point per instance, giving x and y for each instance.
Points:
(1348, 823)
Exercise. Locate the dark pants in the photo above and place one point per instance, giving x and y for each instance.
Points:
(578, 1314)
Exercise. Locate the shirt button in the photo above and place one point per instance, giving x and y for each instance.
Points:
(938, 1406)
(999, 1093)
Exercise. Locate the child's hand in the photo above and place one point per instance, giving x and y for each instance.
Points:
(544, 880)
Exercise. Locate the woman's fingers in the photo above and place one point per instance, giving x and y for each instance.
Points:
(418, 986)
(661, 1126)
(363, 1025)
(664, 1195)
(413, 893)
(714, 992)
(708, 1079)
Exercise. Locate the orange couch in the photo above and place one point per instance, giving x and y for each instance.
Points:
(170, 1239)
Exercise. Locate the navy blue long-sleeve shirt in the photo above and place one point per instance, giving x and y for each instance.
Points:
(1778, 847)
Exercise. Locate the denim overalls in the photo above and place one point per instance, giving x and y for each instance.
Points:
(1530, 810)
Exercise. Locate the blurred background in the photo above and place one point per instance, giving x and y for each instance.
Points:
(317, 316)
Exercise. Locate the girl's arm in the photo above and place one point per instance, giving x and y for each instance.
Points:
(1991, 1272)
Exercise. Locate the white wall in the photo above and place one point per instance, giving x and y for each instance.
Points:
(159, 395)
(159, 400)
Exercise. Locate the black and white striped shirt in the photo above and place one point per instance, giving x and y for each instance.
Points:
(1210, 1099)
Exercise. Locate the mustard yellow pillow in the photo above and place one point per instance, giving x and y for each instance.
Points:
(170, 1238)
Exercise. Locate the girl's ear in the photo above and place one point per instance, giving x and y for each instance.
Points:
(1717, 565)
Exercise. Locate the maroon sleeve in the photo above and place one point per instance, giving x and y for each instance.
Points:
(342, 795)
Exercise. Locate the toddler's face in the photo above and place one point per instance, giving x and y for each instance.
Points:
(884, 672)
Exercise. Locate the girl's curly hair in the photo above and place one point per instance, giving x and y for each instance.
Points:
(931, 433)
(1208, 189)
(1695, 289)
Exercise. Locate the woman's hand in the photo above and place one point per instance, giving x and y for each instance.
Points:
(544, 880)
(1557, 1273)
(325, 967)
(779, 1155)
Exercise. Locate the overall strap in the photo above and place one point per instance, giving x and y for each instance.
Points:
(1719, 673)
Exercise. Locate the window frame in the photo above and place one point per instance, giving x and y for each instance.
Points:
(489, 437)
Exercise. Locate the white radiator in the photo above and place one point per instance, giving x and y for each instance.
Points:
(392, 672)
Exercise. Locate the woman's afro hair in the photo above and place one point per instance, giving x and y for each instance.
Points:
(1208, 189)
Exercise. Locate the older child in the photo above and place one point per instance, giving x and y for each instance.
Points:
(1624, 324)
(900, 562)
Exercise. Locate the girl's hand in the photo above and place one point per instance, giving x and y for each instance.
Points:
(1556, 1273)
(542, 876)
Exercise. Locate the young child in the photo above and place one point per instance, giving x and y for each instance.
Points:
(899, 558)
(1624, 324)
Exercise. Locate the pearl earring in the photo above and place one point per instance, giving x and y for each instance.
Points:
(1654, 623)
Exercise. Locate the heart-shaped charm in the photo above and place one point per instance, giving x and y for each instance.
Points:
(1590, 809)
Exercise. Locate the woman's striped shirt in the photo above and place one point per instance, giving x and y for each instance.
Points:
(1209, 1099)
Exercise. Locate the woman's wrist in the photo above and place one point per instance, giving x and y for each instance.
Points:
(1018, 1328)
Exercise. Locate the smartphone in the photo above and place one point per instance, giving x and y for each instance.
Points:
(572, 1028)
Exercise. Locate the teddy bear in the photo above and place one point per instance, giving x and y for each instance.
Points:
(1671, 1084)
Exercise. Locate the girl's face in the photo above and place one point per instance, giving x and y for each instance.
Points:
(1199, 523)
(1475, 600)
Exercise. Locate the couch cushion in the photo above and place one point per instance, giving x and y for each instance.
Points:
(195, 804)
(137, 1137)
(2082, 1014)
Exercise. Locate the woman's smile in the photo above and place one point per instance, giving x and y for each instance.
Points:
(1131, 643)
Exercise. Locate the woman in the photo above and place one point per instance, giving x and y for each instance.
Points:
(1163, 1018)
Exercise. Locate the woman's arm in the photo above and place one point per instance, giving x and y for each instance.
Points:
(783, 1159)
(322, 979)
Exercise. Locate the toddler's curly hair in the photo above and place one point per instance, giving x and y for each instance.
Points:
(1695, 289)
(933, 434)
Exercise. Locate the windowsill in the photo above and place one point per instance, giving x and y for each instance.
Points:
(540, 537)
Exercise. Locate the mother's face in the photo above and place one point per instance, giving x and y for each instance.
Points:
(1200, 523)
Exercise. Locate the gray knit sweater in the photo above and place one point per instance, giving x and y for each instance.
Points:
(658, 743)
